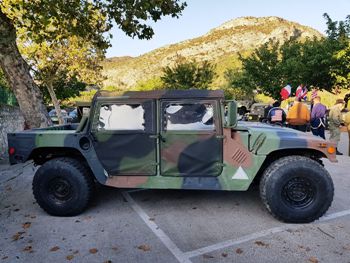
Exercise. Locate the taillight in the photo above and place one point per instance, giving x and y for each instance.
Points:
(12, 151)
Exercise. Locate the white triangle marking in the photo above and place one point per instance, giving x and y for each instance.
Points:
(240, 174)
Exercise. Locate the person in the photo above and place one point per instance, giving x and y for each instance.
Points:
(318, 114)
(298, 116)
(335, 122)
(276, 114)
(347, 122)
(268, 108)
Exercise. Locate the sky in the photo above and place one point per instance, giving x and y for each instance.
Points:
(200, 16)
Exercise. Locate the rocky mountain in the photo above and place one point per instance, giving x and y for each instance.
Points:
(220, 45)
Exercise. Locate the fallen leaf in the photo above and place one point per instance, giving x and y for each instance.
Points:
(8, 188)
(313, 260)
(17, 236)
(239, 251)
(93, 250)
(69, 257)
(207, 256)
(26, 225)
(346, 247)
(224, 254)
(55, 248)
(144, 247)
(28, 248)
(261, 244)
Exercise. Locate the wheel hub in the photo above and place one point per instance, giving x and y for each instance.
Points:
(60, 189)
(298, 192)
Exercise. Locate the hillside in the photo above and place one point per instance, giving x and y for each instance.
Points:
(220, 45)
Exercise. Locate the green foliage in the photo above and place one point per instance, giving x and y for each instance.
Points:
(341, 72)
(151, 84)
(47, 20)
(6, 95)
(64, 88)
(322, 63)
(3, 82)
(187, 75)
(238, 85)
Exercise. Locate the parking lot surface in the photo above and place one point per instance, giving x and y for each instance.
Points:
(124, 225)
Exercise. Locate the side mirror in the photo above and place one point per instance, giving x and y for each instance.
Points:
(231, 118)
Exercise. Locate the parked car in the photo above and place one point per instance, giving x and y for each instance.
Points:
(54, 118)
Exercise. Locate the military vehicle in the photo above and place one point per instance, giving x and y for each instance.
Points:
(257, 112)
(175, 140)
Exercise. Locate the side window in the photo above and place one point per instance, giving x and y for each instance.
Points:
(188, 116)
(121, 117)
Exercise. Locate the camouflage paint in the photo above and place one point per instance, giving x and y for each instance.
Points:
(239, 153)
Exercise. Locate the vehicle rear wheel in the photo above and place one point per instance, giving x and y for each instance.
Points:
(63, 187)
(296, 189)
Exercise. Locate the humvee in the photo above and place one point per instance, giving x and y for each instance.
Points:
(175, 140)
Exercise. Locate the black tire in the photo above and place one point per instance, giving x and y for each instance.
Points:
(63, 187)
(296, 189)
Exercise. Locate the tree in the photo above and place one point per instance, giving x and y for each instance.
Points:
(341, 72)
(238, 85)
(61, 64)
(47, 20)
(64, 87)
(318, 62)
(187, 75)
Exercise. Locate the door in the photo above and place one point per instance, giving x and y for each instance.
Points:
(125, 137)
(190, 138)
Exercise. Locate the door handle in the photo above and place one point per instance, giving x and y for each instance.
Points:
(156, 137)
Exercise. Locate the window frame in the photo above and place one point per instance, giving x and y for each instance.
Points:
(216, 115)
(149, 129)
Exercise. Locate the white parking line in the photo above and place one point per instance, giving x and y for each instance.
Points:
(185, 256)
(234, 242)
(334, 215)
(238, 241)
(179, 255)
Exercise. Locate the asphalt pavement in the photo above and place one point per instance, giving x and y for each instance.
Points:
(125, 225)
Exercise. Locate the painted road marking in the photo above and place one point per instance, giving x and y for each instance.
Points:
(185, 256)
(234, 242)
(179, 255)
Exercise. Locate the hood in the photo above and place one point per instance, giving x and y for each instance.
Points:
(265, 138)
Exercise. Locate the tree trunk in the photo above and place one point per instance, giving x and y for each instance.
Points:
(55, 102)
(18, 76)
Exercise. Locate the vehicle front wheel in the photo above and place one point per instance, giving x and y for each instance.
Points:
(63, 187)
(296, 189)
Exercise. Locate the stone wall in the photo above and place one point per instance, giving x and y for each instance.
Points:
(11, 120)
